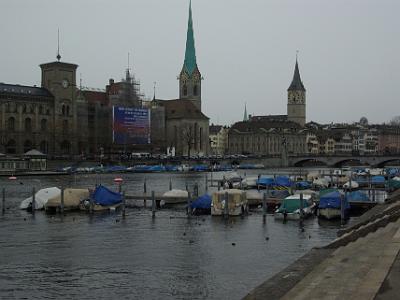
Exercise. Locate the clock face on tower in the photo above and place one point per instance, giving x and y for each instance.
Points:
(65, 83)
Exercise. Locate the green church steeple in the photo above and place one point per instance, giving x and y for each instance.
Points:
(190, 76)
(190, 53)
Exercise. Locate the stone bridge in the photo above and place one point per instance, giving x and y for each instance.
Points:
(342, 160)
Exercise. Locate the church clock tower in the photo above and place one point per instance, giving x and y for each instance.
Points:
(296, 107)
(190, 76)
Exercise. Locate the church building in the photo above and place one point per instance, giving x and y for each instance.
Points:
(185, 128)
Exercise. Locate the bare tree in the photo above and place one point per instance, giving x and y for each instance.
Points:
(395, 121)
(187, 136)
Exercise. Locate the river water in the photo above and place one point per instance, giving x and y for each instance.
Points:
(103, 256)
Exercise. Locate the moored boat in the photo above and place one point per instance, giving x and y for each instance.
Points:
(236, 206)
(290, 207)
(103, 200)
(72, 199)
(330, 205)
(41, 198)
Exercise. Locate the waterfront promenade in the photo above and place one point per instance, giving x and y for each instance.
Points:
(363, 263)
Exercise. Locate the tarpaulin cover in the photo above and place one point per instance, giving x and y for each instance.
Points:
(265, 181)
(303, 185)
(394, 184)
(290, 205)
(279, 194)
(104, 196)
(283, 181)
(357, 196)
(333, 200)
(156, 168)
(115, 169)
(203, 202)
(378, 179)
(200, 168)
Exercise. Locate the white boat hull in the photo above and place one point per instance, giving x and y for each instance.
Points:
(329, 213)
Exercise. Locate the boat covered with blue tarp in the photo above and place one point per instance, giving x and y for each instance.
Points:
(357, 196)
(202, 205)
(303, 185)
(330, 203)
(265, 181)
(105, 197)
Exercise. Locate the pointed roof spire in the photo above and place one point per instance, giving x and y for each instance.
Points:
(154, 87)
(58, 45)
(245, 115)
(190, 52)
(297, 84)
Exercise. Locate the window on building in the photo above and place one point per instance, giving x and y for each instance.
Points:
(67, 110)
(65, 126)
(11, 147)
(63, 110)
(44, 147)
(11, 124)
(65, 147)
(28, 125)
(27, 146)
(43, 125)
(41, 110)
(185, 90)
(195, 90)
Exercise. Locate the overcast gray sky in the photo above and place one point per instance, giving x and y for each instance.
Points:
(349, 50)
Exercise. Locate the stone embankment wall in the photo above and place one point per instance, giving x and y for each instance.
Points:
(379, 216)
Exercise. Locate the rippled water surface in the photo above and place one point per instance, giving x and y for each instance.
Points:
(170, 257)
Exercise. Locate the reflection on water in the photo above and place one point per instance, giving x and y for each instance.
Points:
(169, 257)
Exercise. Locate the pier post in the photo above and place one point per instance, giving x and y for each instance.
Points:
(153, 204)
(301, 207)
(331, 174)
(123, 204)
(342, 208)
(91, 204)
(170, 183)
(226, 207)
(189, 208)
(62, 201)
(144, 193)
(264, 206)
(373, 194)
(206, 186)
(33, 201)
(350, 187)
(186, 187)
(3, 206)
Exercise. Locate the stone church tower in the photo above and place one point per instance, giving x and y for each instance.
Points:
(296, 107)
(190, 76)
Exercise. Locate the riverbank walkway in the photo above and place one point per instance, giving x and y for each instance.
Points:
(363, 263)
(355, 271)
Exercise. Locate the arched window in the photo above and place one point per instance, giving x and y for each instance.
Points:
(11, 147)
(11, 124)
(185, 90)
(27, 146)
(65, 126)
(195, 90)
(65, 147)
(43, 125)
(24, 108)
(44, 147)
(63, 110)
(28, 125)
(41, 109)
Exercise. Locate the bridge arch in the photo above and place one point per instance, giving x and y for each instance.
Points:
(349, 161)
(309, 162)
(384, 162)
